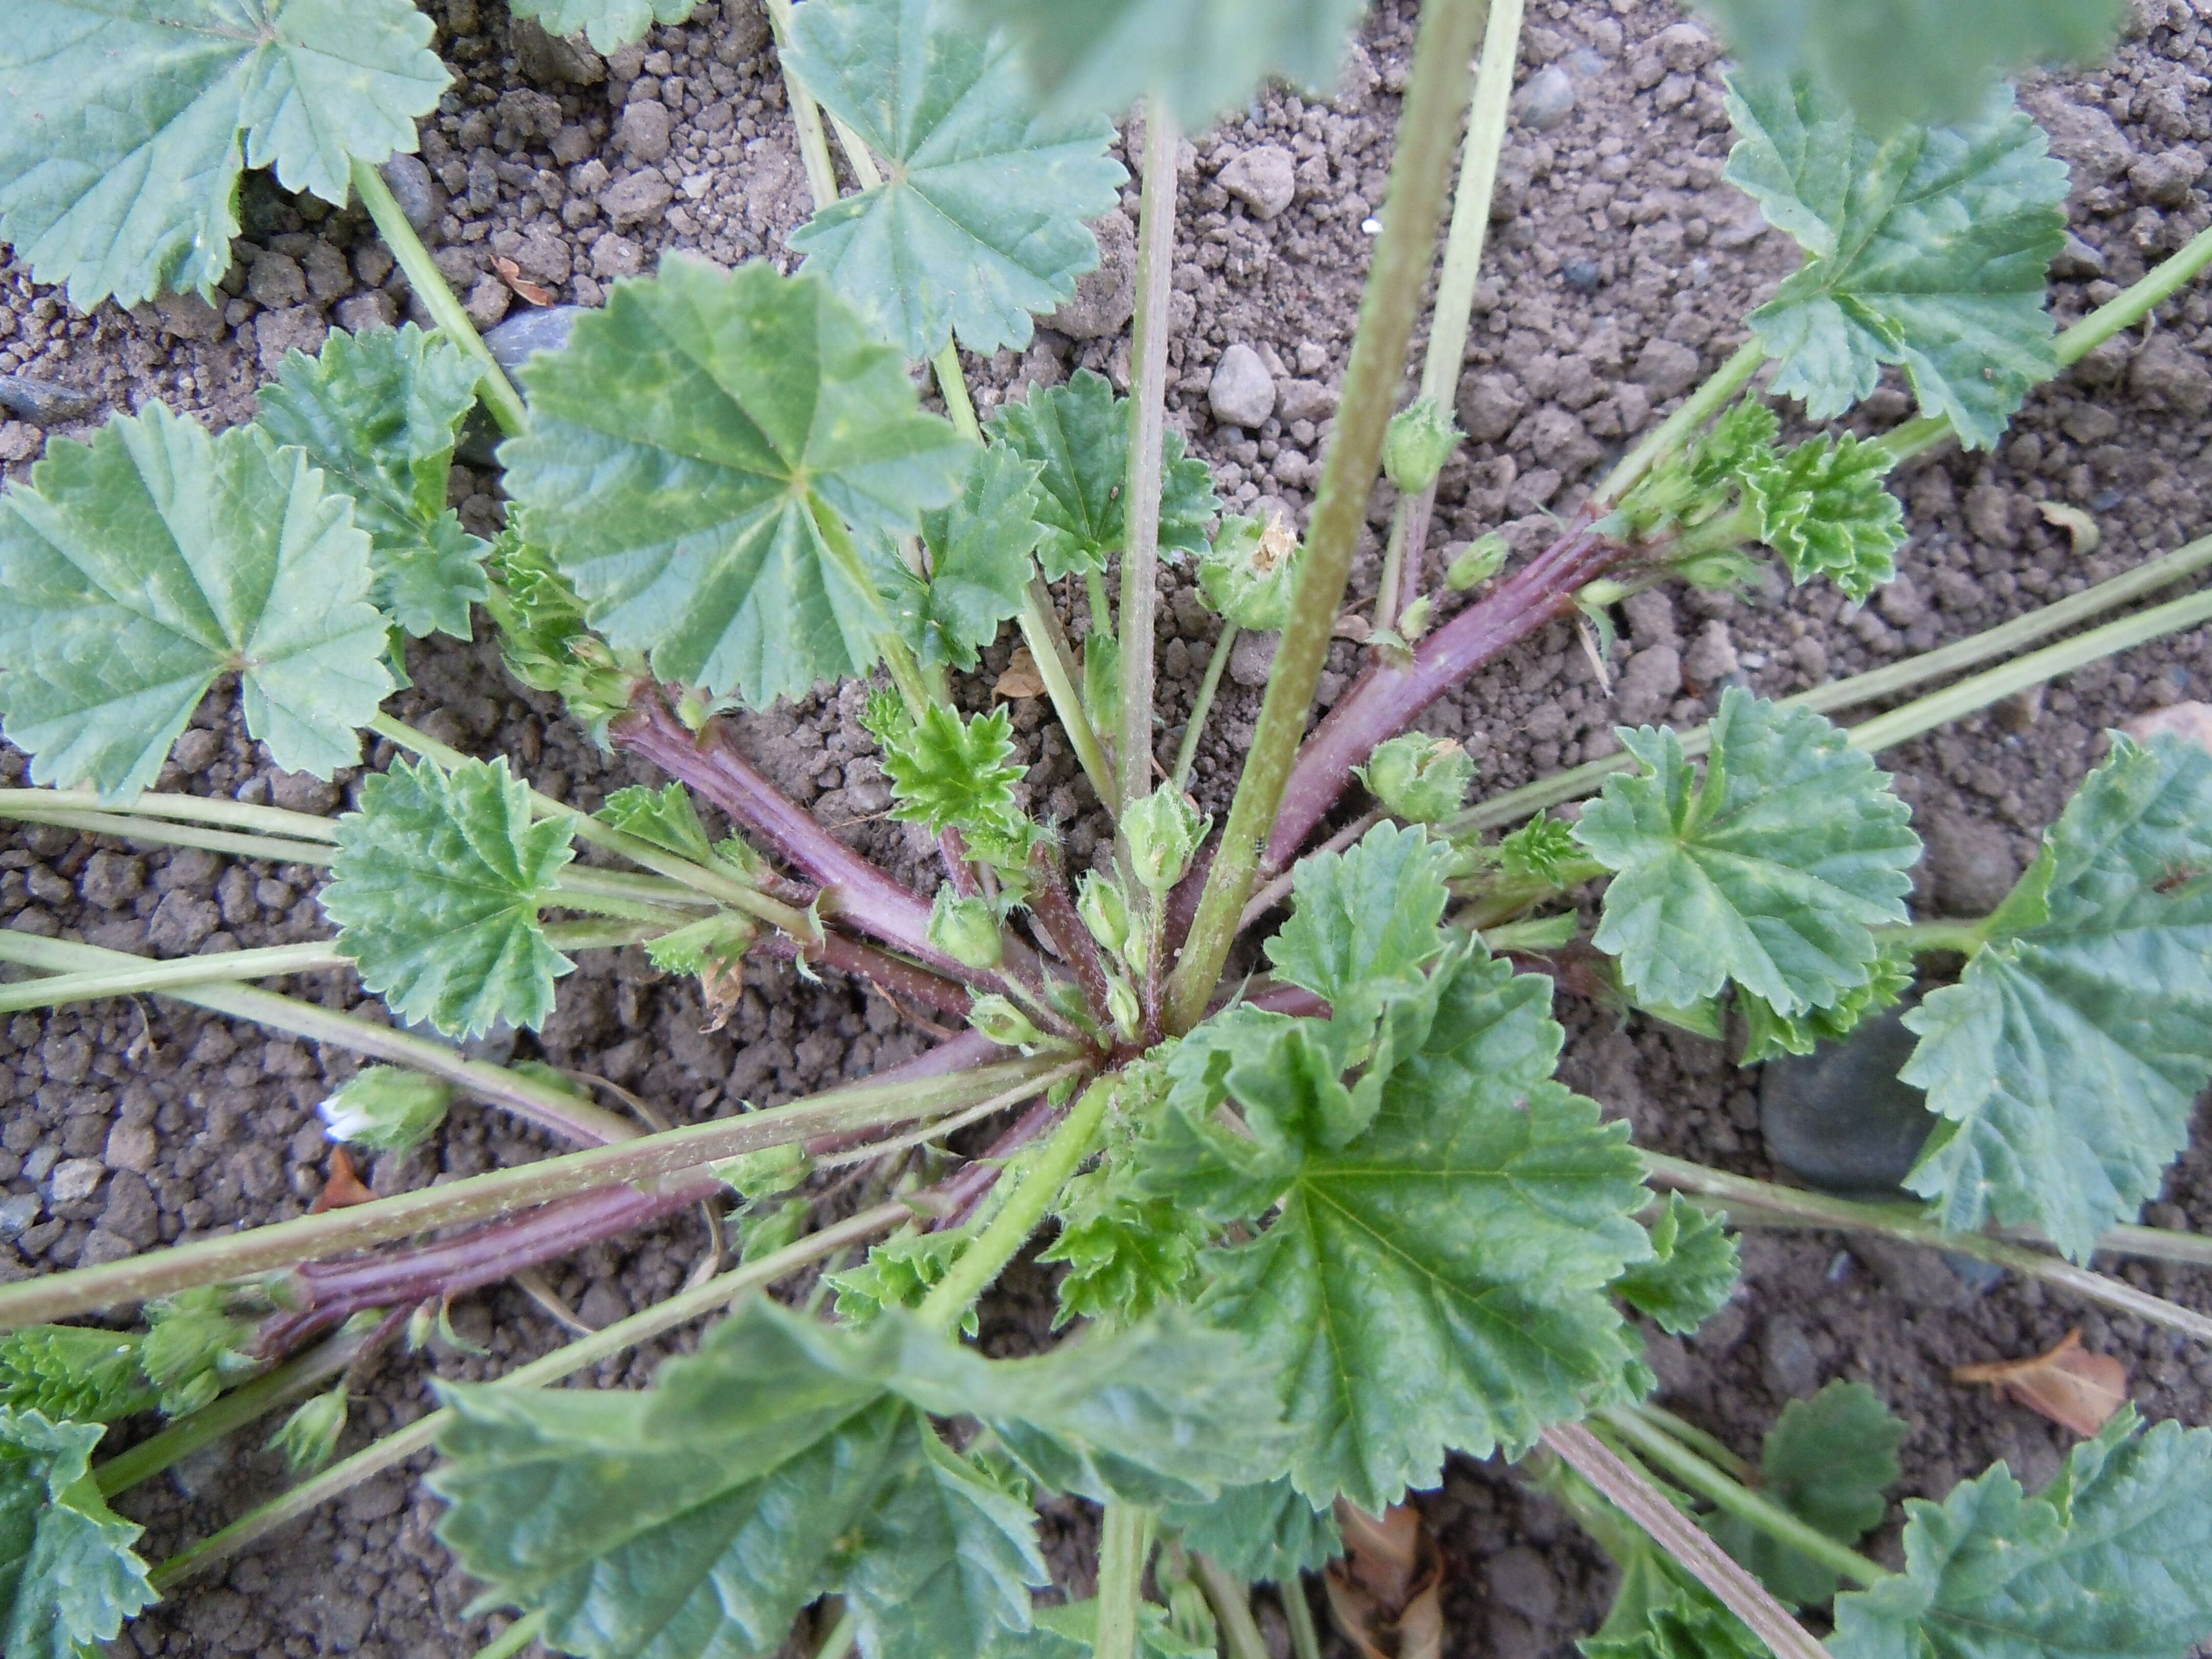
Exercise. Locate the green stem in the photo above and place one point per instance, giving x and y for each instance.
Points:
(805, 114)
(624, 1333)
(515, 1638)
(1049, 649)
(1101, 608)
(952, 387)
(1435, 95)
(635, 889)
(640, 1160)
(203, 809)
(1231, 1599)
(296, 1378)
(1187, 755)
(1297, 1613)
(1921, 937)
(549, 1108)
(429, 283)
(1125, 1542)
(1714, 1451)
(159, 833)
(1769, 1518)
(609, 935)
(1148, 425)
(1671, 434)
(1902, 1222)
(843, 1637)
(984, 1259)
(151, 975)
(2064, 613)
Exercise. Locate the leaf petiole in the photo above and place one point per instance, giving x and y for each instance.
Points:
(1923, 937)
(1125, 1545)
(1187, 755)
(515, 1638)
(155, 976)
(1148, 440)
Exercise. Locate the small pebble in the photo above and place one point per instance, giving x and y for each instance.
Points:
(1839, 1117)
(1581, 275)
(411, 188)
(1243, 391)
(43, 402)
(1546, 100)
(534, 330)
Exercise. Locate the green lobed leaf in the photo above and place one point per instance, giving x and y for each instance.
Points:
(1126, 1254)
(897, 1272)
(2065, 1064)
(1768, 871)
(978, 564)
(2108, 1559)
(436, 890)
(1688, 1622)
(1824, 509)
(72, 1373)
(1363, 916)
(608, 24)
(1267, 1533)
(1927, 249)
(1830, 1460)
(68, 1576)
(1693, 1270)
(1071, 1632)
(378, 411)
(952, 772)
(702, 459)
(665, 817)
(1769, 1034)
(978, 223)
(1438, 1280)
(1905, 59)
(1079, 435)
(138, 568)
(129, 121)
(1203, 56)
(1540, 850)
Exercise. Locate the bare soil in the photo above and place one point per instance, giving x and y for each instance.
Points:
(1619, 270)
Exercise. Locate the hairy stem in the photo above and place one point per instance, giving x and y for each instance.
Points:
(428, 285)
(1456, 286)
(536, 1102)
(151, 975)
(1148, 424)
(1187, 755)
(1671, 434)
(1622, 1483)
(1434, 97)
(1231, 1601)
(1712, 1450)
(197, 809)
(2146, 578)
(1055, 666)
(1297, 1613)
(638, 1328)
(154, 832)
(844, 1636)
(1921, 937)
(805, 114)
(644, 1159)
(1057, 915)
(1125, 1544)
(1739, 1500)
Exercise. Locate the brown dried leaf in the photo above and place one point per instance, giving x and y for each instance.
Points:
(1386, 1591)
(2075, 1389)
(1354, 627)
(1021, 678)
(511, 274)
(343, 1189)
(2081, 529)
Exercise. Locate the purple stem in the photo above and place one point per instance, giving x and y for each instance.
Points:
(955, 1198)
(1049, 904)
(1387, 698)
(902, 981)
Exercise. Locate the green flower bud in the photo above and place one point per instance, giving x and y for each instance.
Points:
(1122, 1003)
(1163, 829)
(1419, 778)
(1006, 1025)
(769, 1173)
(1250, 571)
(1482, 560)
(965, 930)
(1413, 621)
(1420, 441)
(310, 1434)
(385, 1108)
(1105, 911)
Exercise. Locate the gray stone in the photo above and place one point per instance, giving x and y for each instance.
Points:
(643, 130)
(1970, 861)
(543, 256)
(1264, 178)
(538, 329)
(616, 257)
(1306, 400)
(1545, 99)
(1793, 1370)
(1838, 1118)
(1105, 299)
(276, 281)
(189, 317)
(364, 312)
(2169, 373)
(1253, 658)
(2086, 139)
(180, 923)
(1652, 679)
(413, 188)
(1683, 47)
(1666, 368)
(2165, 180)
(75, 1180)
(548, 60)
(44, 403)
(329, 276)
(1490, 406)
(296, 328)
(639, 199)
(1243, 392)
(488, 301)
(1650, 618)
(18, 1213)
(1711, 657)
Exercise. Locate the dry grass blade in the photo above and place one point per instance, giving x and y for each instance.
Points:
(2075, 1389)
(1385, 1590)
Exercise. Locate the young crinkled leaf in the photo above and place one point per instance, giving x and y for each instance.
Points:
(68, 1576)
(954, 772)
(1927, 248)
(1079, 435)
(1688, 1623)
(1768, 1033)
(664, 818)
(1824, 509)
(1830, 1460)
(701, 461)
(1363, 916)
(1693, 1270)
(2108, 1559)
(1203, 55)
(129, 120)
(978, 564)
(978, 223)
(2065, 1064)
(378, 412)
(1267, 1533)
(1439, 1279)
(138, 568)
(1912, 59)
(436, 890)
(1770, 872)
(1126, 1254)
(72, 1373)
(608, 24)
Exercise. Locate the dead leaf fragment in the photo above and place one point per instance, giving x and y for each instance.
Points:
(343, 1189)
(1386, 1591)
(2081, 529)
(1352, 626)
(2190, 721)
(2075, 1389)
(1021, 678)
(511, 274)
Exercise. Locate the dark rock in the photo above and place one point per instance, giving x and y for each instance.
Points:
(545, 328)
(1793, 1370)
(548, 60)
(1838, 1118)
(1970, 862)
(43, 402)
(1582, 275)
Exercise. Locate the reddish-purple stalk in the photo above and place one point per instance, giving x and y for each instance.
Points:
(902, 981)
(1064, 926)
